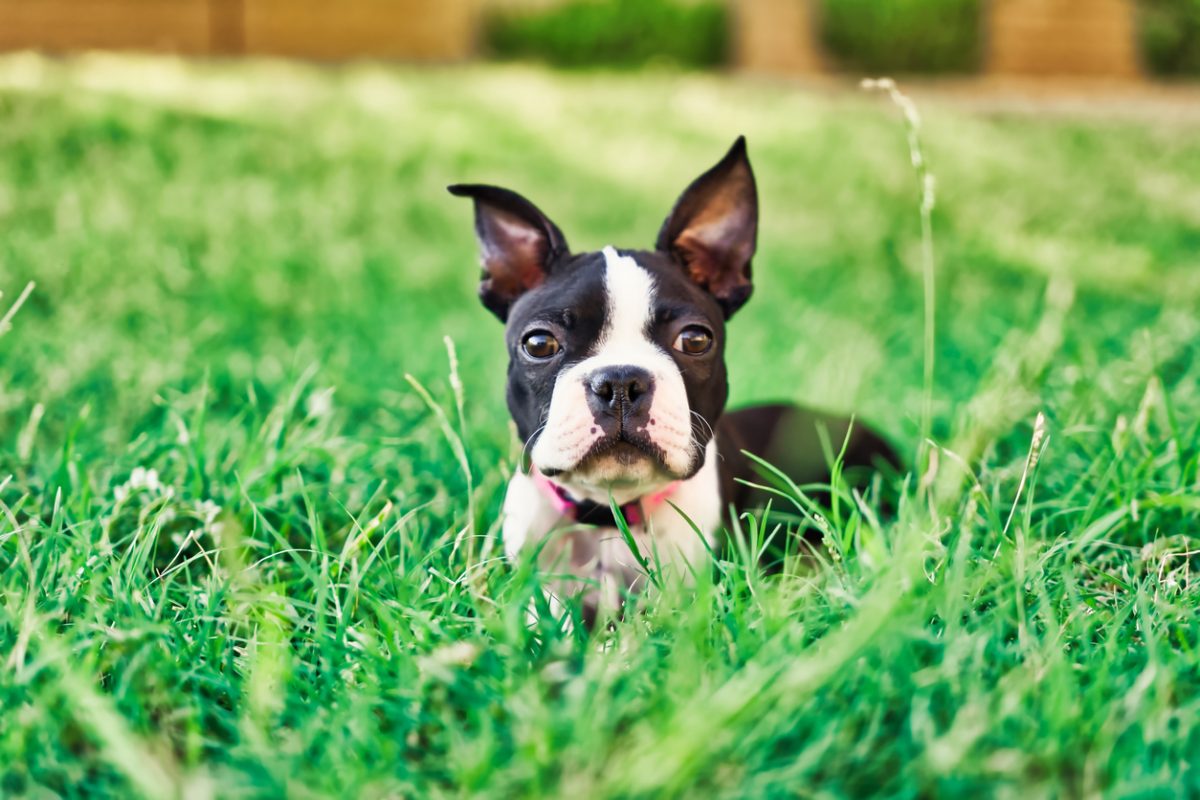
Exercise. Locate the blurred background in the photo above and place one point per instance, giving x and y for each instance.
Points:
(1115, 39)
(215, 194)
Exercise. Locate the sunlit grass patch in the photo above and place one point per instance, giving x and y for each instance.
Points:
(241, 554)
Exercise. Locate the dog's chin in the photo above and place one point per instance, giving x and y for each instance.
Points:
(620, 463)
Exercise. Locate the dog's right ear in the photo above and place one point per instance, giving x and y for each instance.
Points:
(517, 244)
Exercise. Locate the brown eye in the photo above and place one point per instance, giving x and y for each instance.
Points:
(539, 345)
(694, 340)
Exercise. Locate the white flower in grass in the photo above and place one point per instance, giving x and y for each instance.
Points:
(320, 403)
(208, 511)
(142, 478)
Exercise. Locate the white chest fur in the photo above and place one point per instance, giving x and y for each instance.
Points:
(600, 556)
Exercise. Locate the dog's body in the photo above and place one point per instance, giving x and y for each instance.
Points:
(617, 385)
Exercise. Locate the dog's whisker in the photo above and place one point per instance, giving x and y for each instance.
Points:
(529, 441)
(707, 424)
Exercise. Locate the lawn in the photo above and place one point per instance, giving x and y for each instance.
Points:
(244, 554)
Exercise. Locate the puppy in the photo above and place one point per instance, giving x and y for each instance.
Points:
(617, 384)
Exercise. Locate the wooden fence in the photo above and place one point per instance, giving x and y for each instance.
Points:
(333, 29)
(1080, 38)
(1024, 37)
(1095, 38)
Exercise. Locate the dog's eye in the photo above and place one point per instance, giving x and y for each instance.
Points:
(539, 345)
(694, 340)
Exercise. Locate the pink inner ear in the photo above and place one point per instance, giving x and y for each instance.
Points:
(717, 251)
(513, 255)
(719, 225)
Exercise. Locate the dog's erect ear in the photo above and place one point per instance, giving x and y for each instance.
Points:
(713, 229)
(517, 244)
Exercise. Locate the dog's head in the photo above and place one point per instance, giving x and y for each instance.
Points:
(616, 371)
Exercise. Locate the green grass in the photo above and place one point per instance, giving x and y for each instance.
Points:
(236, 267)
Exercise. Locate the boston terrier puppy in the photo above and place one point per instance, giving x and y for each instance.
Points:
(617, 385)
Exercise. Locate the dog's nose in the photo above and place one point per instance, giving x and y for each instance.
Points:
(620, 391)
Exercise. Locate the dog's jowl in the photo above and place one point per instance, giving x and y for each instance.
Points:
(617, 385)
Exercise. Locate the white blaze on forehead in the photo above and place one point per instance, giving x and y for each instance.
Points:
(630, 291)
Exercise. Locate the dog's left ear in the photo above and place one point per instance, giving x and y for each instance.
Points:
(713, 228)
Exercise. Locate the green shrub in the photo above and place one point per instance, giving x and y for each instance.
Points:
(1170, 36)
(903, 35)
(581, 33)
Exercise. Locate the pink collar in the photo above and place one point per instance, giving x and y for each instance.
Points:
(635, 512)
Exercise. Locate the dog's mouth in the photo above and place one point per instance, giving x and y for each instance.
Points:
(624, 457)
(625, 448)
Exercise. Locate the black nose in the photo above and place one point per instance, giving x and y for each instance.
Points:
(620, 391)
